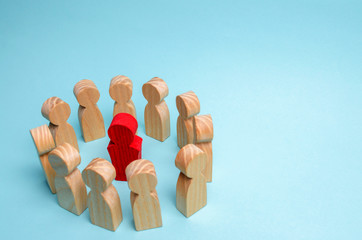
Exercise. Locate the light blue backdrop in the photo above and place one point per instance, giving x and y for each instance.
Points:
(282, 80)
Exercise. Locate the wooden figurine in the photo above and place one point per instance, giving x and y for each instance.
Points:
(120, 91)
(89, 115)
(71, 190)
(188, 105)
(191, 184)
(44, 143)
(157, 115)
(57, 112)
(142, 181)
(103, 200)
(204, 133)
(124, 146)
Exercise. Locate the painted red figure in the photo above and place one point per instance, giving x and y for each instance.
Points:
(125, 146)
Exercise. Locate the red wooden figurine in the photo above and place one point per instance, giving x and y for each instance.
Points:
(125, 146)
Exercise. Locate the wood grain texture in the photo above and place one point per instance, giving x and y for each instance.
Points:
(203, 128)
(44, 143)
(99, 174)
(185, 131)
(206, 147)
(103, 200)
(204, 134)
(157, 114)
(120, 90)
(191, 193)
(69, 185)
(142, 181)
(89, 115)
(57, 112)
(188, 105)
(195, 129)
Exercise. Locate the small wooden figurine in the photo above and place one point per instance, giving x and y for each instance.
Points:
(120, 91)
(44, 143)
(103, 200)
(157, 115)
(89, 115)
(191, 184)
(142, 181)
(57, 112)
(124, 146)
(71, 190)
(188, 106)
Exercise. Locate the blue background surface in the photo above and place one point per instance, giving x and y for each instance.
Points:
(282, 80)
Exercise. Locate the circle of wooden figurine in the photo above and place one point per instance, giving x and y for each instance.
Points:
(58, 152)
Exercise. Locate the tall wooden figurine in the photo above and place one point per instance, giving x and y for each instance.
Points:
(191, 184)
(71, 190)
(157, 115)
(103, 200)
(89, 115)
(120, 90)
(142, 181)
(188, 105)
(57, 112)
(44, 143)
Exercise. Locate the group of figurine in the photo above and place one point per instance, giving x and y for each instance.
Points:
(59, 153)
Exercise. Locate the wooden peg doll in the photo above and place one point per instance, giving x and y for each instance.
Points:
(157, 115)
(103, 200)
(57, 112)
(142, 181)
(69, 185)
(191, 184)
(89, 115)
(120, 91)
